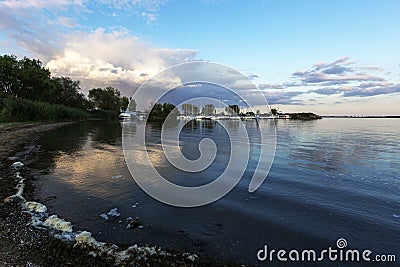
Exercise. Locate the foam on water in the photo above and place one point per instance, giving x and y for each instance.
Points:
(114, 212)
(104, 216)
(17, 165)
(58, 224)
(63, 230)
(35, 207)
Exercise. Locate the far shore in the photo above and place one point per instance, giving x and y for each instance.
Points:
(362, 117)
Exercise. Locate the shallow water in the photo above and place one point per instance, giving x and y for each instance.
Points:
(331, 178)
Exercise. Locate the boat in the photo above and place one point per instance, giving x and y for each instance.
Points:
(128, 115)
(200, 117)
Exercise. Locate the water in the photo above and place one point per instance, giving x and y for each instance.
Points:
(331, 178)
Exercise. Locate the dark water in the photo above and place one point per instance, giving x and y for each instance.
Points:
(331, 178)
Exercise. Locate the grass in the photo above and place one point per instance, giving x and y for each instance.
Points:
(20, 110)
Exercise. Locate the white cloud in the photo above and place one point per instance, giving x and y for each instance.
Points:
(33, 28)
(48, 30)
(37, 28)
(117, 59)
(341, 78)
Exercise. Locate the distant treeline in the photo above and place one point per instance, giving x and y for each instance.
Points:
(304, 116)
(28, 92)
(160, 112)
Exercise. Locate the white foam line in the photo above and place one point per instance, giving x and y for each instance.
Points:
(20, 188)
(35, 207)
(62, 229)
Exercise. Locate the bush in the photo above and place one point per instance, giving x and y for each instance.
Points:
(12, 109)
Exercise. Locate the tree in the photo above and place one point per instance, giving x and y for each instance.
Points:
(190, 109)
(34, 79)
(67, 92)
(167, 108)
(274, 111)
(28, 79)
(159, 112)
(25, 78)
(196, 110)
(106, 99)
(232, 109)
(186, 108)
(208, 109)
(123, 103)
(9, 69)
(132, 105)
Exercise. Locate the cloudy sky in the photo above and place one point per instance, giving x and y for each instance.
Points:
(329, 57)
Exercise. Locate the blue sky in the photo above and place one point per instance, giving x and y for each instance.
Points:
(329, 57)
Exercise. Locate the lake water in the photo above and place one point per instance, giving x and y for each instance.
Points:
(331, 178)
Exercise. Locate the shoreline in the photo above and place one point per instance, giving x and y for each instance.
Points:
(361, 117)
(25, 245)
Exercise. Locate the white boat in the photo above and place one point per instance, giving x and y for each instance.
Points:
(220, 117)
(249, 117)
(200, 117)
(234, 117)
(186, 117)
(128, 115)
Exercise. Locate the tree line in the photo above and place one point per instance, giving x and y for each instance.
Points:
(159, 112)
(27, 79)
(208, 109)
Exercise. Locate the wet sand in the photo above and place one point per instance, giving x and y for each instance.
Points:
(21, 244)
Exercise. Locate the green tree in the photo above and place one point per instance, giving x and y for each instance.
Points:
(187, 109)
(157, 109)
(67, 92)
(190, 109)
(26, 79)
(123, 103)
(9, 70)
(106, 99)
(168, 108)
(132, 104)
(159, 112)
(274, 111)
(209, 109)
(34, 79)
(232, 109)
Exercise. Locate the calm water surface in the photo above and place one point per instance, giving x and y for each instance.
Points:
(331, 178)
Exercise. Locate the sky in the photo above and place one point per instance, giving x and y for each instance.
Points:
(328, 57)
